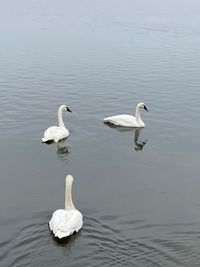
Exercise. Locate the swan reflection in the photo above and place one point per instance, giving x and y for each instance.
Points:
(62, 151)
(138, 144)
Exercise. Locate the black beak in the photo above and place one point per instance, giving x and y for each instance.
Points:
(69, 110)
(145, 108)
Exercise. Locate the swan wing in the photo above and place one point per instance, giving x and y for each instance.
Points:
(122, 120)
(55, 133)
(60, 133)
(65, 222)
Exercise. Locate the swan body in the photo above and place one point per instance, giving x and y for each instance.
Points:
(57, 133)
(126, 120)
(65, 222)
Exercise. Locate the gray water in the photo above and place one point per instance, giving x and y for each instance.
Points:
(137, 190)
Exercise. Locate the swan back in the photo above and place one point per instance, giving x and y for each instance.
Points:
(65, 222)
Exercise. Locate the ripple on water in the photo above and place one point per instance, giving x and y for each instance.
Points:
(25, 244)
(107, 241)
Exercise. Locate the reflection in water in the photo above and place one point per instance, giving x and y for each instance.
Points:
(138, 145)
(62, 151)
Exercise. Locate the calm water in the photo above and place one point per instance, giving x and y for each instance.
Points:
(138, 191)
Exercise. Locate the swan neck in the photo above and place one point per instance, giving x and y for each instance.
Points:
(138, 118)
(60, 119)
(68, 196)
(137, 114)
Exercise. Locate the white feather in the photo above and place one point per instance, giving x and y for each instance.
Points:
(55, 134)
(65, 222)
(122, 120)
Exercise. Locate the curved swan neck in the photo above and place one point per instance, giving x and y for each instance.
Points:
(68, 195)
(60, 119)
(137, 114)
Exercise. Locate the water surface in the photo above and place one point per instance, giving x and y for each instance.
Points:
(138, 190)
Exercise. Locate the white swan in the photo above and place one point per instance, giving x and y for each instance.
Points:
(65, 222)
(128, 120)
(57, 133)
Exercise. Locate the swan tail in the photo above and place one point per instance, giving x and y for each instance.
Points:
(110, 120)
(44, 140)
(61, 234)
(106, 119)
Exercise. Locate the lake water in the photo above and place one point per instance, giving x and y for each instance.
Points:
(139, 191)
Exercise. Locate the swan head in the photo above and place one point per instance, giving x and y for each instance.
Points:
(69, 179)
(142, 105)
(65, 108)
